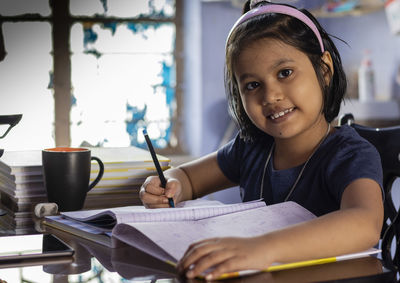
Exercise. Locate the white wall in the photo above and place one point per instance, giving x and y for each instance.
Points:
(192, 86)
(371, 32)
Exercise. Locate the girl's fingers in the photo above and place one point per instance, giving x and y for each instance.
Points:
(154, 201)
(172, 188)
(153, 195)
(152, 185)
(199, 243)
(201, 256)
(195, 251)
(214, 259)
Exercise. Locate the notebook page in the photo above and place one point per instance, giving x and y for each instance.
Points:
(122, 213)
(190, 210)
(185, 213)
(175, 237)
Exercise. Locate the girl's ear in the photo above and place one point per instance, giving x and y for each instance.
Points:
(328, 68)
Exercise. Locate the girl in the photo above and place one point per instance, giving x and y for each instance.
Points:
(285, 84)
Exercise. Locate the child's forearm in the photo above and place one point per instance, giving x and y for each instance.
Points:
(355, 227)
(340, 232)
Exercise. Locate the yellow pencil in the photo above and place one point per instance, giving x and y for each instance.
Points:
(298, 264)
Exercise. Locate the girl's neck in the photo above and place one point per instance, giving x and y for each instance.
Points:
(295, 151)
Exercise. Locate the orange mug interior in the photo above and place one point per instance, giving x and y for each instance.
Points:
(66, 149)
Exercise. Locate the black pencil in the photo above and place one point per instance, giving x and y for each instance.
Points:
(157, 164)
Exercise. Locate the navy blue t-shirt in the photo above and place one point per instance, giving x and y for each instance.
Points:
(343, 157)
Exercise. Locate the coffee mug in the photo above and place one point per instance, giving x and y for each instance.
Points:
(66, 172)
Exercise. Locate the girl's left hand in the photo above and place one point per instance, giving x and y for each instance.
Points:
(214, 257)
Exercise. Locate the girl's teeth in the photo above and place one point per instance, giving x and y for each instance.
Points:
(280, 114)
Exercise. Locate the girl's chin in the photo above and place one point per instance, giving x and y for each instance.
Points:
(281, 133)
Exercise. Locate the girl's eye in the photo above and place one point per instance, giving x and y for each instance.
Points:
(251, 85)
(285, 73)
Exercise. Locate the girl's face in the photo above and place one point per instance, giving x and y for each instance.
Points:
(279, 89)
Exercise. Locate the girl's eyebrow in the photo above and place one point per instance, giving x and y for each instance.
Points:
(244, 76)
(274, 66)
(282, 62)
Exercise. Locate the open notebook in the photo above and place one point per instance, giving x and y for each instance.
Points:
(167, 233)
(97, 225)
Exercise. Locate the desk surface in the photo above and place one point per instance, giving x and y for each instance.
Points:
(92, 260)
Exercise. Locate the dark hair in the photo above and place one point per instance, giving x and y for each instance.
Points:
(297, 34)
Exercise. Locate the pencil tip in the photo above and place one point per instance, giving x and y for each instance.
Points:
(144, 132)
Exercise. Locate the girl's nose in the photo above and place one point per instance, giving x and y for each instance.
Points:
(271, 95)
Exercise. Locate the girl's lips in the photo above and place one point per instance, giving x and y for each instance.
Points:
(280, 114)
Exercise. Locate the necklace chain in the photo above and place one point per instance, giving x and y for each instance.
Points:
(301, 171)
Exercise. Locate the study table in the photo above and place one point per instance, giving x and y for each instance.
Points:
(93, 262)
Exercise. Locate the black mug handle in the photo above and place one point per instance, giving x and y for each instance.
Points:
(101, 172)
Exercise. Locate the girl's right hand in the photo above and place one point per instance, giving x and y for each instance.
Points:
(153, 195)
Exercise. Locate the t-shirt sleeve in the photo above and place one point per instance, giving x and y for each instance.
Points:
(354, 161)
(229, 157)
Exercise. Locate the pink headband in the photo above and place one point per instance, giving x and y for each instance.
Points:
(279, 9)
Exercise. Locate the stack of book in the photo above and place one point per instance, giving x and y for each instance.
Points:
(21, 188)
(22, 185)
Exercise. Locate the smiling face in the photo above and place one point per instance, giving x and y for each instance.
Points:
(279, 89)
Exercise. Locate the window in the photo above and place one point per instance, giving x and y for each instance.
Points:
(97, 74)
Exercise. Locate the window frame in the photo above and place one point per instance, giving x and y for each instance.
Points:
(61, 22)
